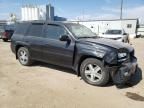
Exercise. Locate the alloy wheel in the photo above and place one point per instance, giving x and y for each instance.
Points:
(93, 72)
(23, 56)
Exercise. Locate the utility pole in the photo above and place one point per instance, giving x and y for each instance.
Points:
(83, 14)
(121, 12)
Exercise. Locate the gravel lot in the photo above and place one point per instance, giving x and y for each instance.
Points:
(46, 86)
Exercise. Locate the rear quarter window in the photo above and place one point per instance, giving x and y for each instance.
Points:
(35, 30)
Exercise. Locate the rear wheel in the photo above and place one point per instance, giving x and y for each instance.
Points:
(24, 56)
(93, 72)
(5, 40)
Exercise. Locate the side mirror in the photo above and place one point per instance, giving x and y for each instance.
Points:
(64, 38)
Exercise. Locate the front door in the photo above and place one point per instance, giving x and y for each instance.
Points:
(56, 51)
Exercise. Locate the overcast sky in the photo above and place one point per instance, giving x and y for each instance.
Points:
(79, 9)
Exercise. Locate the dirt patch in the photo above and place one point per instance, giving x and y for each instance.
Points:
(46, 86)
(134, 96)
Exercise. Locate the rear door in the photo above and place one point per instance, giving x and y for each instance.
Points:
(56, 51)
(34, 39)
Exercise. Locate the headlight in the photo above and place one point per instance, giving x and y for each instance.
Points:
(122, 55)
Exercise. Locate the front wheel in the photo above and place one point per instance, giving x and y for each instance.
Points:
(126, 40)
(24, 56)
(93, 72)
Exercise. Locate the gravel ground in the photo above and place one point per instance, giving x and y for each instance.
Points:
(46, 86)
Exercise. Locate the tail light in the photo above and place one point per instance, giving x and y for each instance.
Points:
(5, 34)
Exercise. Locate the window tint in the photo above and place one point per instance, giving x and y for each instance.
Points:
(54, 31)
(35, 30)
(21, 28)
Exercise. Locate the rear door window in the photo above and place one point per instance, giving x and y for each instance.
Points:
(35, 30)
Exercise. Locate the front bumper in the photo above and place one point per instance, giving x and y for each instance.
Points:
(120, 40)
(117, 39)
(121, 74)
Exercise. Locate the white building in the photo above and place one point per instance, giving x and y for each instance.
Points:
(100, 26)
(49, 12)
(30, 13)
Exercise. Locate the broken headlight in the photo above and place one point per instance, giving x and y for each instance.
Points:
(122, 57)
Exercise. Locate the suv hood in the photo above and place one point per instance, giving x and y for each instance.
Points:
(108, 42)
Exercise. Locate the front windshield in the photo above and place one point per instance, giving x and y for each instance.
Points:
(81, 31)
(10, 27)
(113, 32)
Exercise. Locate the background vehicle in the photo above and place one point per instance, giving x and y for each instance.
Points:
(1, 30)
(74, 46)
(8, 32)
(116, 34)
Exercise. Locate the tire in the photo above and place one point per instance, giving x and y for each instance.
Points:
(98, 77)
(126, 40)
(24, 56)
(5, 40)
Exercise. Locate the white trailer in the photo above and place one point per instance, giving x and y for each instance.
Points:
(140, 30)
(100, 26)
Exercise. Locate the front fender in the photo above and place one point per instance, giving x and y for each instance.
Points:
(82, 55)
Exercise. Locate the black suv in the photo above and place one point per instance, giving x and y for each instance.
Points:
(74, 46)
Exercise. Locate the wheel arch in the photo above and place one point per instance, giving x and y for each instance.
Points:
(82, 58)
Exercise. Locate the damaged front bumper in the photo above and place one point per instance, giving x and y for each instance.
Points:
(121, 74)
